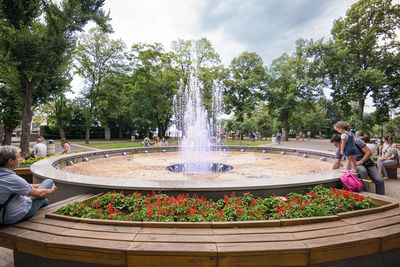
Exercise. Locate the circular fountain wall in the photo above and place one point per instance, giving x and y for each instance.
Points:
(262, 171)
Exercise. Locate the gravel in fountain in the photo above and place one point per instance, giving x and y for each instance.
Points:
(152, 166)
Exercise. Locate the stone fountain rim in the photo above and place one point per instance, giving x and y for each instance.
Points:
(47, 168)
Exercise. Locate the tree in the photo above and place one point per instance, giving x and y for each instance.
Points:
(246, 79)
(10, 111)
(36, 40)
(363, 56)
(97, 57)
(292, 81)
(154, 85)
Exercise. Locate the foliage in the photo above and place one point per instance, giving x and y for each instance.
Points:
(245, 81)
(363, 57)
(97, 57)
(35, 44)
(292, 82)
(319, 201)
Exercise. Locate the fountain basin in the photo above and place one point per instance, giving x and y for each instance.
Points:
(70, 184)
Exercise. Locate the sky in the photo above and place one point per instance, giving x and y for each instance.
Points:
(267, 27)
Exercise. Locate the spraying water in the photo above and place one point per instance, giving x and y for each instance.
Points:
(197, 125)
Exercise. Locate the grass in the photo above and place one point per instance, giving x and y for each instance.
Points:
(128, 144)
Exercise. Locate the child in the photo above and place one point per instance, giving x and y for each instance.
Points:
(347, 146)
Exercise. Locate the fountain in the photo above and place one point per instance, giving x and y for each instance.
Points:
(196, 166)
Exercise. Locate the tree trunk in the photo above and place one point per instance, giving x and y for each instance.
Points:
(1, 131)
(8, 135)
(26, 115)
(87, 136)
(361, 104)
(286, 123)
(59, 126)
(120, 129)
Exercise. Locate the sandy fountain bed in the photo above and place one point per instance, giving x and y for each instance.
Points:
(152, 166)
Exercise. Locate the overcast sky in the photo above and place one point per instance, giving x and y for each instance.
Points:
(268, 27)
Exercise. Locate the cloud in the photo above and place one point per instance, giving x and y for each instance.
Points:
(270, 27)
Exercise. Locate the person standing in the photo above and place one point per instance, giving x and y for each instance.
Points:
(309, 135)
(19, 200)
(365, 166)
(347, 147)
(388, 157)
(278, 137)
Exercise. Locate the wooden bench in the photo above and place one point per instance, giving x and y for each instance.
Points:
(371, 236)
(392, 171)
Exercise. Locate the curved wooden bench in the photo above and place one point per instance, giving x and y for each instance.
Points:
(369, 236)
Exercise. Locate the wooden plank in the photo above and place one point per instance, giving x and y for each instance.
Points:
(53, 222)
(326, 233)
(390, 237)
(309, 220)
(106, 228)
(328, 226)
(32, 242)
(176, 231)
(259, 247)
(38, 227)
(174, 238)
(251, 230)
(380, 223)
(99, 235)
(177, 224)
(7, 236)
(176, 261)
(172, 249)
(90, 244)
(373, 217)
(239, 238)
(267, 259)
(239, 224)
(291, 253)
(340, 247)
(81, 255)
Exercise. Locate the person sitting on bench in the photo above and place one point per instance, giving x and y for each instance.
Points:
(19, 200)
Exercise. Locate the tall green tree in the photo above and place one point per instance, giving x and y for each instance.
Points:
(154, 84)
(362, 58)
(292, 81)
(244, 84)
(97, 57)
(36, 39)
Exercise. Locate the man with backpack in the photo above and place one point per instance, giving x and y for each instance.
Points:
(365, 166)
(19, 200)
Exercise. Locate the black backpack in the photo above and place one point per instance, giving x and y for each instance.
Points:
(3, 206)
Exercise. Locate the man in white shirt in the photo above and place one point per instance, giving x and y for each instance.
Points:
(39, 149)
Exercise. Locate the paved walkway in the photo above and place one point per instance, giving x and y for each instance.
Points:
(392, 187)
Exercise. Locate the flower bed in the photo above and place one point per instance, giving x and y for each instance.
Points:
(319, 201)
(30, 161)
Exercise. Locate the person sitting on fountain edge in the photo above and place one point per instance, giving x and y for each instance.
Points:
(19, 200)
(365, 166)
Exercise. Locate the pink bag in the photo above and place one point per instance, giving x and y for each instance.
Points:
(351, 181)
